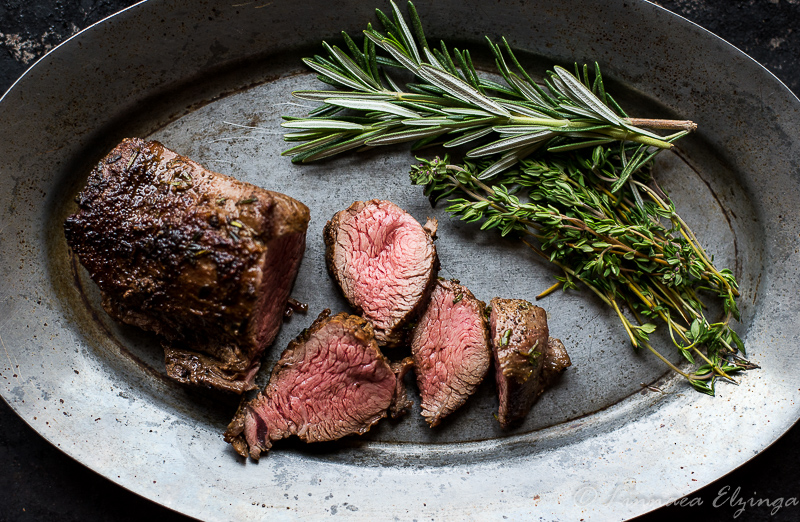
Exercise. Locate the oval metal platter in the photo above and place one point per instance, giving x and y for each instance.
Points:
(211, 79)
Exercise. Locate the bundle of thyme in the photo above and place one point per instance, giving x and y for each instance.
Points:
(628, 246)
(559, 165)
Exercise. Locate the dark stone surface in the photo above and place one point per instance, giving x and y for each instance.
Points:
(39, 483)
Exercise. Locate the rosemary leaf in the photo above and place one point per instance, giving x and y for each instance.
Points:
(371, 105)
(322, 124)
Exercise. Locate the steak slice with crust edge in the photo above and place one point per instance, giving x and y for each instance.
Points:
(451, 350)
(330, 382)
(203, 260)
(526, 358)
(401, 402)
(385, 263)
(556, 360)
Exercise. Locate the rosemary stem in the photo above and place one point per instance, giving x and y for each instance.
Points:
(663, 124)
(636, 138)
(545, 122)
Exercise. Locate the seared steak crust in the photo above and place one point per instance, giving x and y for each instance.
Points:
(556, 360)
(330, 382)
(385, 262)
(451, 350)
(526, 358)
(401, 403)
(201, 259)
(519, 336)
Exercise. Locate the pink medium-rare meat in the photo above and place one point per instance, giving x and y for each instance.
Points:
(526, 358)
(330, 382)
(203, 260)
(450, 346)
(385, 263)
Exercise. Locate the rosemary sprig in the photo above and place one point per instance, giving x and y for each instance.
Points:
(450, 104)
(629, 247)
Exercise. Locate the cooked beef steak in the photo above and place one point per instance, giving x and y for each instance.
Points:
(522, 349)
(519, 334)
(330, 382)
(201, 259)
(556, 360)
(401, 403)
(385, 263)
(451, 350)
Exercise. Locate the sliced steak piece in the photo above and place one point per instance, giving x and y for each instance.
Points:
(519, 336)
(200, 258)
(451, 350)
(556, 360)
(385, 263)
(525, 363)
(330, 382)
(401, 403)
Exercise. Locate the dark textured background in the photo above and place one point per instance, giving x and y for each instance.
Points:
(39, 483)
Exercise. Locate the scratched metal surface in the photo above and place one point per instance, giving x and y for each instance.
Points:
(211, 82)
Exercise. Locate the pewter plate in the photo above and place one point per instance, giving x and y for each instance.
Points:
(211, 80)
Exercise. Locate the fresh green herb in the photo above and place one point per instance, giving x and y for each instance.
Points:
(132, 160)
(505, 338)
(532, 354)
(246, 201)
(237, 224)
(196, 249)
(458, 298)
(180, 185)
(451, 105)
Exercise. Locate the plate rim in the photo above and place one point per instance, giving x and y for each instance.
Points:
(125, 13)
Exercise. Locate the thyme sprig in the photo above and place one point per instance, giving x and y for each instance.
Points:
(629, 246)
(449, 103)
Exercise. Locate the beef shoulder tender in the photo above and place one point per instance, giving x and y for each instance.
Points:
(450, 347)
(200, 258)
(385, 262)
(330, 382)
(526, 358)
